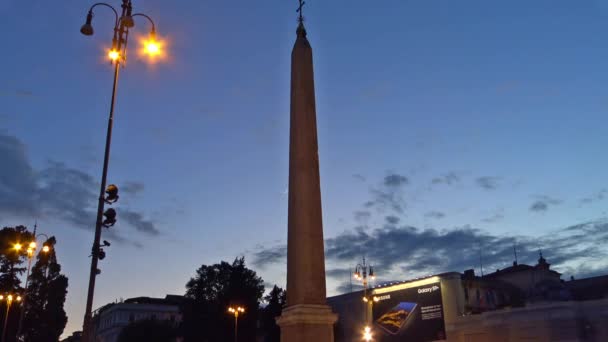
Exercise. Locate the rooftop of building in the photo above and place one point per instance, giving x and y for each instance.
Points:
(173, 300)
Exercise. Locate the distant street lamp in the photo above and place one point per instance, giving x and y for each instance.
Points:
(235, 311)
(31, 250)
(9, 300)
(367, 334)
(117, 55)
(364, 273)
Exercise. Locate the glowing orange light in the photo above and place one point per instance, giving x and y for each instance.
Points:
(152, 47)
(367, 334)
(33, 245)
(113, 55)
(17, 246)
(45, 249)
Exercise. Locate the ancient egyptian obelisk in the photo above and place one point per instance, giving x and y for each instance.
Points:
(307, 317)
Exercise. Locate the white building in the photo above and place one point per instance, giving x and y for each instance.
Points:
(110, 319)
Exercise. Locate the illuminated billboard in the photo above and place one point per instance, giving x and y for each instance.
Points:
(413, 313)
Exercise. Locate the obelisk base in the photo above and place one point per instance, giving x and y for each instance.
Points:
(306, 323)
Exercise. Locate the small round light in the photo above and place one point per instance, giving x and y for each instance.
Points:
(113, 55)
(46, 249)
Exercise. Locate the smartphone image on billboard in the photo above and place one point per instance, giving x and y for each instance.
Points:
(395, 319)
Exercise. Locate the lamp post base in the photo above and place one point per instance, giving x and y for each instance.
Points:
(305, 323)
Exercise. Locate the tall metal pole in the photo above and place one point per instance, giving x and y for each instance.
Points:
(8, 306)
(86, 332)
(27, 279)
(236, 326)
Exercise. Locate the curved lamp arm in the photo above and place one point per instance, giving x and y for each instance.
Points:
(149, 19)
(110, 7)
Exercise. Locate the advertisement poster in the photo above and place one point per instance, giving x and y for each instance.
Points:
(412, 314)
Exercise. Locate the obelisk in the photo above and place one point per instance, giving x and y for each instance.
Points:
(307, 317)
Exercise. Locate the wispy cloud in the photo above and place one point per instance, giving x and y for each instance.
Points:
(598, 196)
(56, 191)
(435, 214)
(488, 182)
(543, 203)
(389, 194)
(407, 251)
(449, 179)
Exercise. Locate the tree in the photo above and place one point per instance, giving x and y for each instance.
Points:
(45, 317)
(11, 268)
(212, 290)
(276, 300)
(149, 330)
(11, 259)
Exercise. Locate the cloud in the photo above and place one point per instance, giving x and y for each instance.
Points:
(493, 218)
(272, 255)
(395, 180)
(598, 196)
(407, 251)
(359, 177)
(487, 182)
(137, 220)
(55, 191)
(449, 179)
(392, 219)
(539, 206)
(132, 188)
(435, 214)
(543, 203)
(349, 286)
(389, 194)
(362, 215)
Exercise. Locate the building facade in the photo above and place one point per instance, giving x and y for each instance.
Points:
(518, 303)
(110, 319)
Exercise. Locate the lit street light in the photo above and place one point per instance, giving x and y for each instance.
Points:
(365, 272)
(9, 300)
(117, 55)
(235, 311)
(31, 250)
(367, 334)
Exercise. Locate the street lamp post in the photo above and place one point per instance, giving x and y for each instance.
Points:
(9, 300)
(235, 311)
(117, 56)
(31, 250)
(364, 272)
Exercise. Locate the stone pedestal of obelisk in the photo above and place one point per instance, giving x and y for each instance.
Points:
(307, 317)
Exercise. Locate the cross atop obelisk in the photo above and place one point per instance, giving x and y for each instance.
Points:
(307, 316)
(299, 10)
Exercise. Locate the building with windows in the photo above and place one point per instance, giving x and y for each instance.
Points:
(110, 319)
(518, 303)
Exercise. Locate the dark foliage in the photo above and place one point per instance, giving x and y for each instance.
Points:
(148, 330)
(46, 293)
(45, 317)
(212, 290)
(276, 300)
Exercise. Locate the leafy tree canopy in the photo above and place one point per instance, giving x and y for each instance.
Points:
(148, 330)
(211, 291)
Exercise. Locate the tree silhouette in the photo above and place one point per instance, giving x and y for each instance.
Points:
(276, 299)
(149, 330)
(11, 268)
(211, 291)
(45, 317)
(11, 259)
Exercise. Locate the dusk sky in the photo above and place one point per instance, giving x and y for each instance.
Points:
(445, 128)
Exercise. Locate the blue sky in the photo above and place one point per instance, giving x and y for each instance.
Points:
(451, 116)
